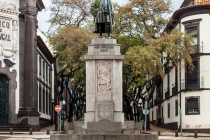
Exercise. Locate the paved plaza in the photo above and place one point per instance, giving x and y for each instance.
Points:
(42, 135)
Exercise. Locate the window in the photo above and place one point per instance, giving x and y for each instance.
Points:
(44, 101)
(50, 76)
(168, 110)
(157, 113)
(176, 108)
(40, 66)
(194, 32)
(40, 99)
(47, 104)
(192, 80)
(192, 27)
(43, 70)
(46, 73)
(192, 105)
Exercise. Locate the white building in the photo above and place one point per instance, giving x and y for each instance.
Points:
(44, 79)
(181, 89)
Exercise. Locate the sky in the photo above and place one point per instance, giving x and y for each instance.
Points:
(43, 16)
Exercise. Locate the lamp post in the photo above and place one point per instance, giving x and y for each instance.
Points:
(63, 114)
(139, 104)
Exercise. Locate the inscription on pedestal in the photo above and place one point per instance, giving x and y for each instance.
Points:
(103, 48)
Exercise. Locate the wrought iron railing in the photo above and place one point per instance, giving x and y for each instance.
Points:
(195, 84)
(174, 90)
(199, 47)
(167, 95)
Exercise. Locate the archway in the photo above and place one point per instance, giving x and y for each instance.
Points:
(4, 99)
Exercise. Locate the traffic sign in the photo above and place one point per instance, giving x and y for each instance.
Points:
(145, 111)
(57, 108)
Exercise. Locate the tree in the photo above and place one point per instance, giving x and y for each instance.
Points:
(69, 12)
(139, 28)
(71, 44)
(144, 21)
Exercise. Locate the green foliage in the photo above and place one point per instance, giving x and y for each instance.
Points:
(95, 5)
(71, 44)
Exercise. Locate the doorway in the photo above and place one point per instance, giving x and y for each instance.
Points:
(4, 99)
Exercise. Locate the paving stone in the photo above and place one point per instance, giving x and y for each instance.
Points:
(110, 137)
(57, 137)
(142, 137)
(68, 137)
(74, 137)
(130, 137)
(85, 137)
(97, 137)
(122, 137)
(137, 132)
(136, 137)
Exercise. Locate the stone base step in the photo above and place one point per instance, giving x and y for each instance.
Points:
(124, 131)
(131, 131)
(105, 137)
(16, 128)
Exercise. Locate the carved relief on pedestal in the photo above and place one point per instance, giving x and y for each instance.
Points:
(103, 77)
(104, 110)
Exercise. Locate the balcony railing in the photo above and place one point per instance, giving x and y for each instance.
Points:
(198, 48)
(192, 84)
(167, 95)
(174, 90)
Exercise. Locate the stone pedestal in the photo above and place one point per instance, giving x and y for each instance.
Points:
(104, 119)
(104, 82)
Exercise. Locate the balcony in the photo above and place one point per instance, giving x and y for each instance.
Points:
(193, 84)
(167, 95)
(149, 84)
(198, 48)
(174, 89)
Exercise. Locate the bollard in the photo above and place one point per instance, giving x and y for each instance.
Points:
(48, 131)
(176, 133)
(158, 133)
(11, 131)
(30, 131)
(195, 134)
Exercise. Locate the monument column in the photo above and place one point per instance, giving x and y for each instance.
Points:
(28, 114)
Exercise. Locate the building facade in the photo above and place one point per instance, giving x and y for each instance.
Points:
(44, 80)
(20, 48)
(181, 98)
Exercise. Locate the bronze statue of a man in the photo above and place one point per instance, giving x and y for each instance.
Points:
(103, 17)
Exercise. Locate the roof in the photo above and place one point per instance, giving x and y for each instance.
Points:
(41, 45)
(186, 11)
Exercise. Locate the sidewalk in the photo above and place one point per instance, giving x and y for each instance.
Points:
(41, 135)
(167, 134)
